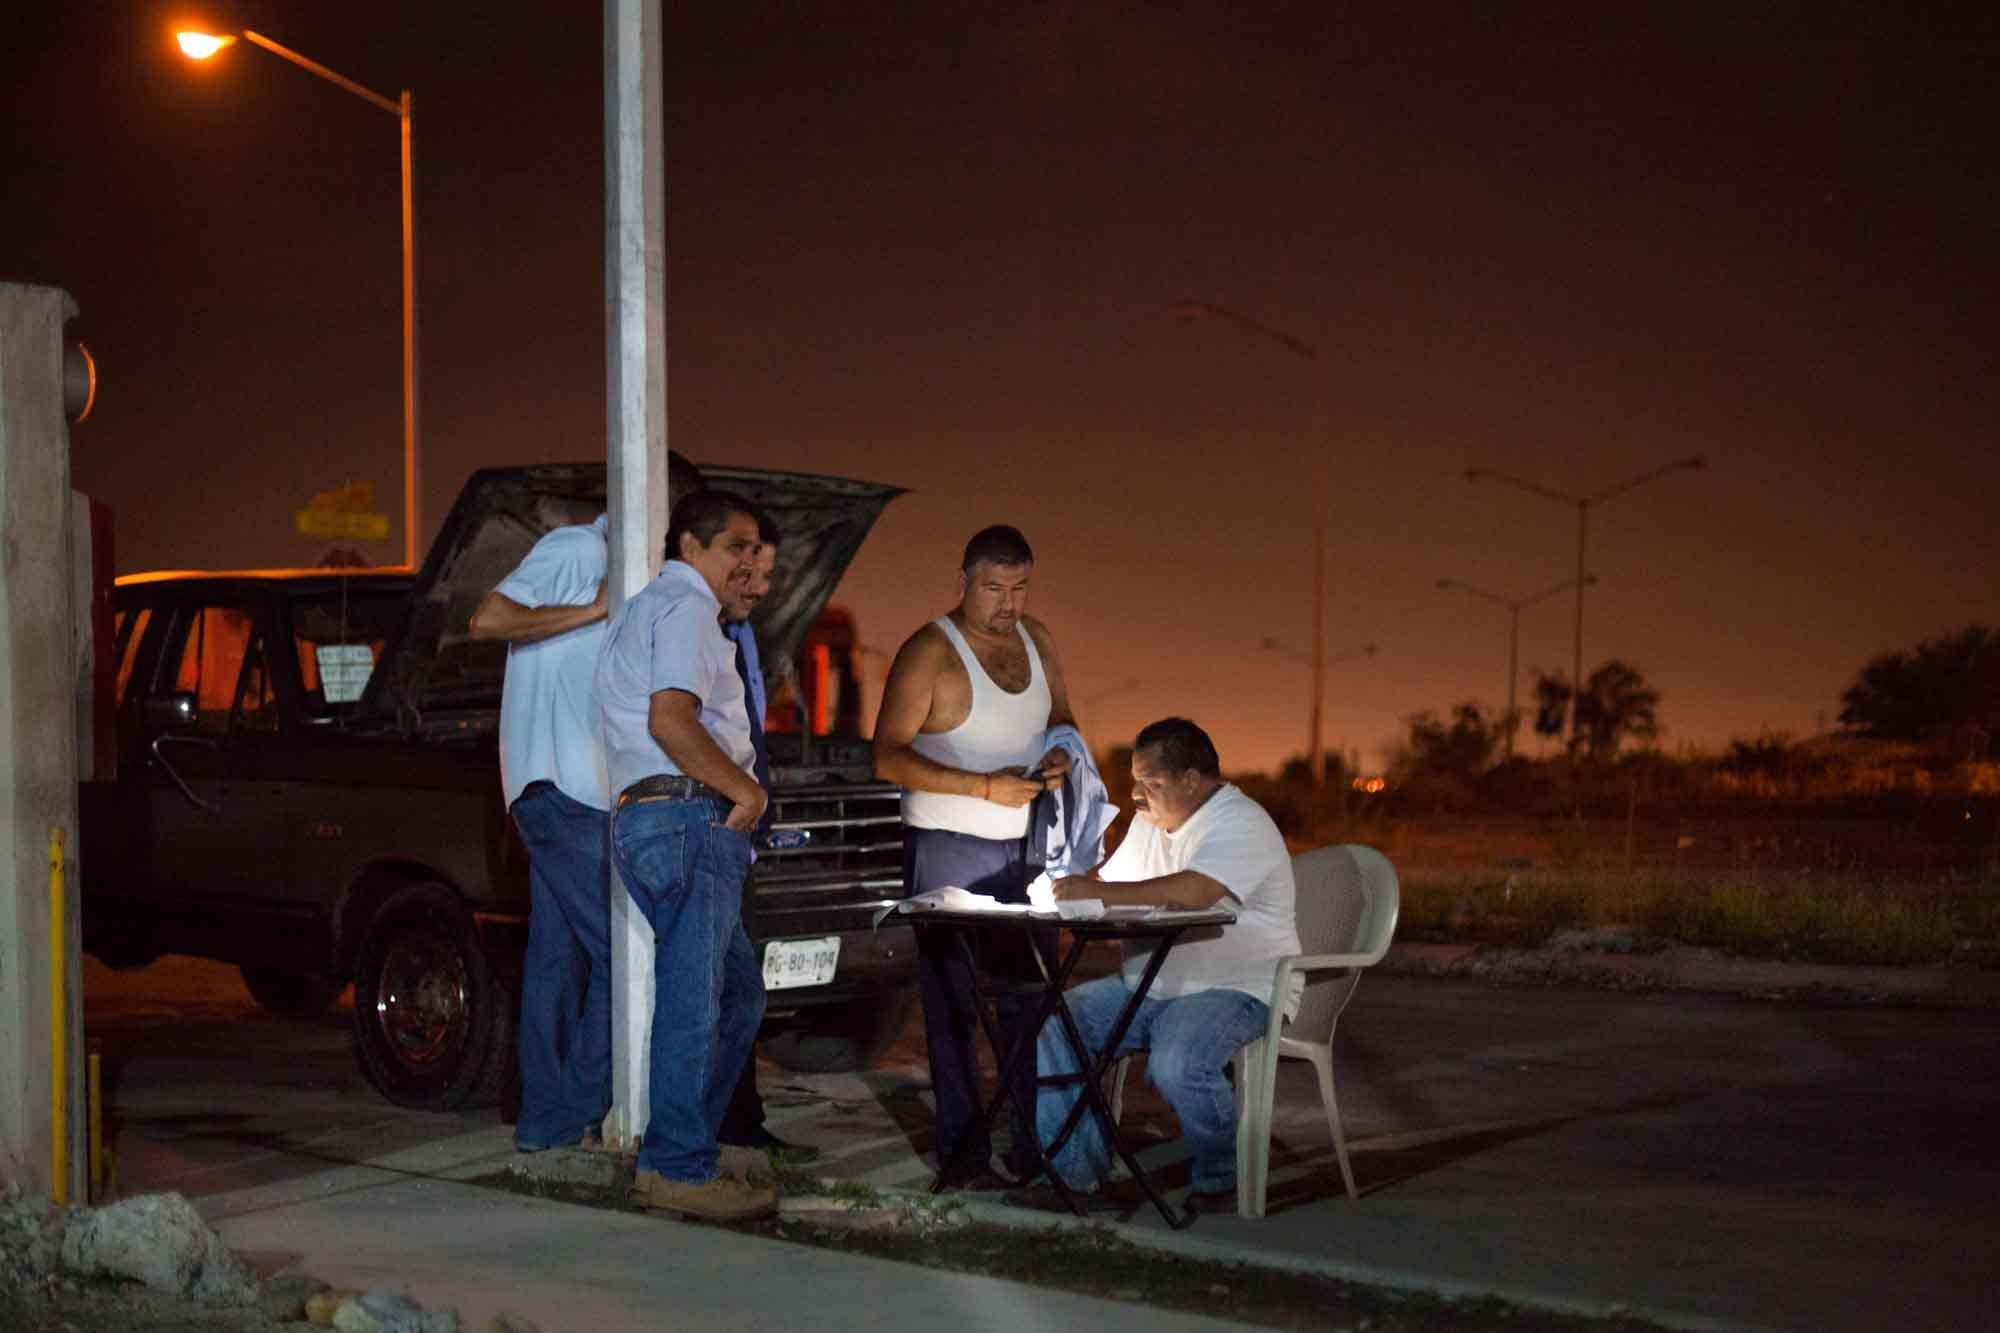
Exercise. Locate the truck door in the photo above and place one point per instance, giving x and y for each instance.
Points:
(216, 847)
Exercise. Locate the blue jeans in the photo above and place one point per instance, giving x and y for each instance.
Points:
(1189, 1040)
(566, 976)
(685, 871)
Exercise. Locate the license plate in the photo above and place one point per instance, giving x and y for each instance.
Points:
(800, 962)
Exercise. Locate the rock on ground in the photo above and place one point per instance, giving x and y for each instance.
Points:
(161, 1241)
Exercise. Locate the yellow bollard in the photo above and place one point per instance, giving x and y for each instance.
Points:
(96, 1102)
(58, 1024)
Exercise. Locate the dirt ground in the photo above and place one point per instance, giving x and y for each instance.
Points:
(122, 1307)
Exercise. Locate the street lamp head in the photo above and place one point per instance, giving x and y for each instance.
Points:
(201, 45)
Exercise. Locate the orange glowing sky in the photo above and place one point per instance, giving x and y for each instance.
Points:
(1567, 241)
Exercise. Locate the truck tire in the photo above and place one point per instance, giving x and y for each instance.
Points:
(433, 1027)
(291, 994)
(844, 1037)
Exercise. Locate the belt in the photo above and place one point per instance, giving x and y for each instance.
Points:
(669, 787)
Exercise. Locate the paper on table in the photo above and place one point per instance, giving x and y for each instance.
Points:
(953, 899)
(1080, 909)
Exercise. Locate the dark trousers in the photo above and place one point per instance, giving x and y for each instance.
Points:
(745, 1115)
(934, 858)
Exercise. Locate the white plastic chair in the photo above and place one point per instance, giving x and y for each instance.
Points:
(1347, 903)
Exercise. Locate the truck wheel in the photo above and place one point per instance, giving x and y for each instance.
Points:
(843, 1037)
(433, 1028)
(291, 994)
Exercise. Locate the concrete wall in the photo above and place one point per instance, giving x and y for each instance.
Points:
(38, 678)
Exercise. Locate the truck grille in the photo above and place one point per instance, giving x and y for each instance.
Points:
(832, 847)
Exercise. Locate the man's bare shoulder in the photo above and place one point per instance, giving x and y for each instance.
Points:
(1044, 641)
(924, 653)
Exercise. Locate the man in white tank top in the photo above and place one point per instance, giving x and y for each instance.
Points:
(965, 713)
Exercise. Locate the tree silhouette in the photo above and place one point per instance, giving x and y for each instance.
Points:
(1945, 690)
(1616, 704)
(1551, 703)
(1461, 748)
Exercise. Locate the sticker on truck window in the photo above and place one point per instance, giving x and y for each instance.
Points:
(343, 670)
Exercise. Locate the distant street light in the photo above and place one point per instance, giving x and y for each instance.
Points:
(1583, 504)
(1189, 311)
(200, 46)
(1283, 649)
(1513, 605)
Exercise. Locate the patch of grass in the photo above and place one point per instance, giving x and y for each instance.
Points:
(1842, 917)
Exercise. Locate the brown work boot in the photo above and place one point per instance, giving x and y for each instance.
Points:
(724, 1199)
(748, 1165)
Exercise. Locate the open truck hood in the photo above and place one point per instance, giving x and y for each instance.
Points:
(433, 669)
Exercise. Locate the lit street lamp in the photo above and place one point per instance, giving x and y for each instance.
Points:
(1583, 504)
(200, 46)
(1189, 311)
(1513, 605)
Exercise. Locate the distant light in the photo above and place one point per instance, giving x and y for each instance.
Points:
(1370, 785)
(200, 45)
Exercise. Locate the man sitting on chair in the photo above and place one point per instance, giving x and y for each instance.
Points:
(1195, 842)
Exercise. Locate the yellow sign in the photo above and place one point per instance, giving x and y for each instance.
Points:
(346, 512)
(329, 523)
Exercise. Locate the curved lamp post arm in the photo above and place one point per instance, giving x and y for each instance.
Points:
(1678, 465)
(283, 52)
(1488, 474)
(1188, 311)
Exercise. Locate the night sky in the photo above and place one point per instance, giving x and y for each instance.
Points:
(938, 246)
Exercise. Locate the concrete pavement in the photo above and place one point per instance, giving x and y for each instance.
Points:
(1708, 1162)
(406, 1223)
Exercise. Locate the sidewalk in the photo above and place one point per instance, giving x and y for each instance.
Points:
(1698, 1161)
(405, 1223)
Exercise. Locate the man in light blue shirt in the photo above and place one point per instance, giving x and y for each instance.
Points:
(680, 756)
(550, 612)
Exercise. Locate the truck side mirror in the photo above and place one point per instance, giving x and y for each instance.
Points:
(170, 712)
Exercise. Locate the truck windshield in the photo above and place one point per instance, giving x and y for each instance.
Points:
(338, 637)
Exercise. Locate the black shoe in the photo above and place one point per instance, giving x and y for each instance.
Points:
(1212, 1203)
(782, 1153)
(1044, 1198)
(982, 1181)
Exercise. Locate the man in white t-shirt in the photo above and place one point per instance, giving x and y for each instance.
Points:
(550, 612)
(1195, 842)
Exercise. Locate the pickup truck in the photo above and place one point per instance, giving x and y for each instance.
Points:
(308, 787)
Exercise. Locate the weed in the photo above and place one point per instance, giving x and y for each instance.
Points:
(1809, 915)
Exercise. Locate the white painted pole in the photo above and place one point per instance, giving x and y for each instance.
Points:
(635, 326)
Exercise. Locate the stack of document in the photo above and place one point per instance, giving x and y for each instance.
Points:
(951, 899)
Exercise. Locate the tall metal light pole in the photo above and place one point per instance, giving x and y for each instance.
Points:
(1513, 605)
(1192, 310)
(200, 46)
(1583, 504)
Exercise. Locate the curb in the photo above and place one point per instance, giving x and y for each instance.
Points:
(1185, 1245)
(1678, 967)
